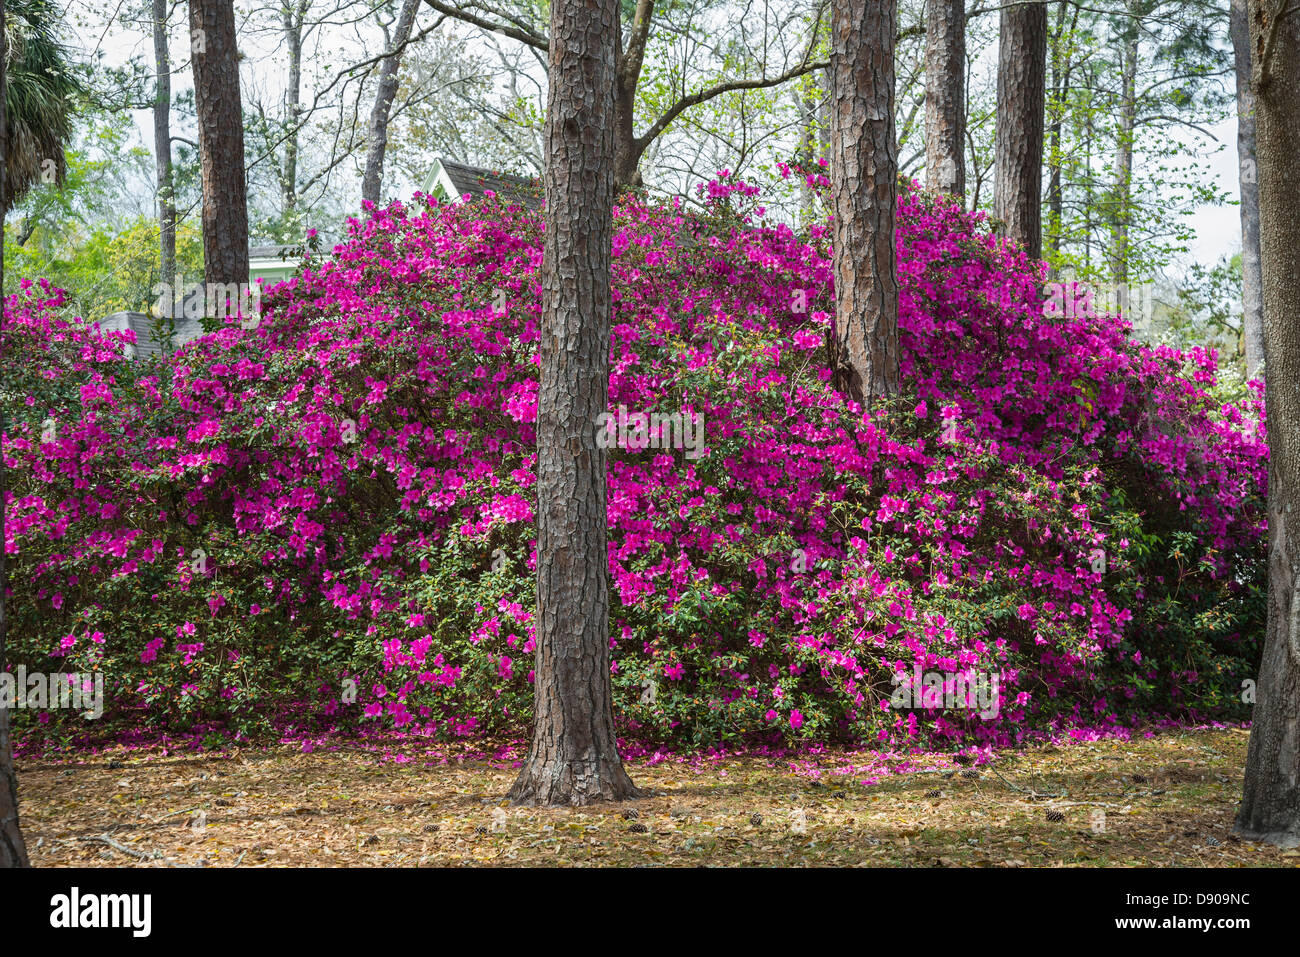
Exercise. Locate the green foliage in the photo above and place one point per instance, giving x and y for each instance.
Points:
(103, 271)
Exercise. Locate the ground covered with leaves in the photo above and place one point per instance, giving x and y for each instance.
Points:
(1164, 800)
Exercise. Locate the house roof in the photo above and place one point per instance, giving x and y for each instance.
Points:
(468, 180)
(148, 330)
(277, 252)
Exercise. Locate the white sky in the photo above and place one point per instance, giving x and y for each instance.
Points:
(1218, 228)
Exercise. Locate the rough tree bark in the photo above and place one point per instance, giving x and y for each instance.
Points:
(1018, 139)
(864, 187)
(1270, 803)
(13, 852)
(221, 140)
(574, 757)
(945, 96)
(162, 140)
(1252, 317)
(372, 181)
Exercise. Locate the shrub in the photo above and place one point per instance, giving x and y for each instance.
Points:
(344, 494)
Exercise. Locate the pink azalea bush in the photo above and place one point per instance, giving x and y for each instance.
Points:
(341, 499)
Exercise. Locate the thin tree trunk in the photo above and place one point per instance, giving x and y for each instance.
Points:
(1270, 803)
(864, 185)
(1252, 314)
(1121, 206)
(162, 139)
(1018, 150)
(1089, 133)
(293, 17)
(824, 133)
(945, 96)
(628, 149)
(1062, 64)
(807, 107)
(574, 754)
(221, 141)
(13, 852)
(372, 182)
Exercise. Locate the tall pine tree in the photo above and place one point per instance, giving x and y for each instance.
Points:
(864, 188)
(574, 757)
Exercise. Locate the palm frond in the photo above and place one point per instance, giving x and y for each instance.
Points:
(40, 93)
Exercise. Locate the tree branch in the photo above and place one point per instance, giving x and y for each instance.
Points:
(396, 51)
(695, 99)
(520, 33)
(1283, 10)
(631, 59)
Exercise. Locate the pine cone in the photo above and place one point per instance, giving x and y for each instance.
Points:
(631, 814)
(756, 819)
(1055, 817)
(932, 793)
(636, 827)
(970, 773)
(430, 828)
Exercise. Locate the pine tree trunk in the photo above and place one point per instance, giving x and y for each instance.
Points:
(864, 188)
(1270, 804)
(13, 852)
(162, 140)
(221, 140)
(945, 96)
(1018, 148)
(372, 181)
(574, 754)
(1252, 317)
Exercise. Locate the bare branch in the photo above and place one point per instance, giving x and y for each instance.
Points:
(520, 33)
(694, 99)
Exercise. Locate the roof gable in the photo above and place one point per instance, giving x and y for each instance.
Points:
(465, 181)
